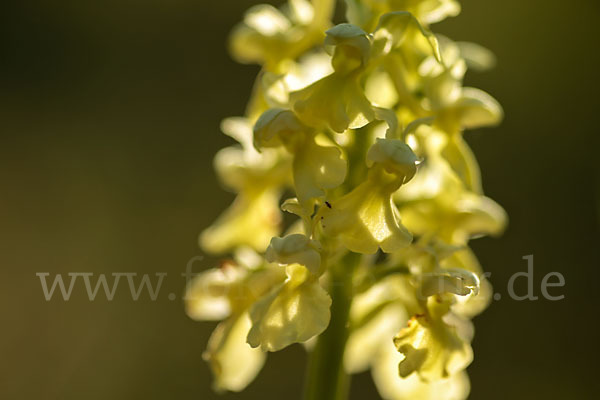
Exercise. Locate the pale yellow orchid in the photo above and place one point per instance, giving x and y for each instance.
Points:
(315, 168)
(434, 341)
(293, 313)
(361, 126)
(294, 76)
(298, 309)
(393, 387)
(379, 312)
(429, 255)
(454, 107)
(366, 218)
(269, 35)
(366, 13)
(254, 216)
(339, 101)
(432, 348)
(455, 216)
(227, 293)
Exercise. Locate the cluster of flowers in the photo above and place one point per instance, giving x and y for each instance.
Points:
(361, 125)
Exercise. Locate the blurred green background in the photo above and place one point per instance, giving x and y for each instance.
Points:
(109, 118)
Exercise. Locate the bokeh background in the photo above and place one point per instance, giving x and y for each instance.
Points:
(109, 118)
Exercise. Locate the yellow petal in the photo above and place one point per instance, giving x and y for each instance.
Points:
(476, 108)
(396, 27)
(393, 387)
(476, 56)
(456, 216)
(431, 348)
(366, 219)
(271, 36)
(252, 220)
(336, 101)
(295, 75)
(233, 362)
(375, 314)
(461, 159)
(207, 297)
(293, 313)
(365, 13)
(317, 168)
(380, 90)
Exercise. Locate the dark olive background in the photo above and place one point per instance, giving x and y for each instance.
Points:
(109, 118)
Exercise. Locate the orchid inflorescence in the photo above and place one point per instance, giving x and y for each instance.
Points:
(357, 130)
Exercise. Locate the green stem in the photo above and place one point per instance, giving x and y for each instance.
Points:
(326, 379)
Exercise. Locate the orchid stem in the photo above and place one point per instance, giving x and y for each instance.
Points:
(326, 378)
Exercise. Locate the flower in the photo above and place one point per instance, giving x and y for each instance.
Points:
(337, 100)
(454, 107)
(392, 387)
(315, 167)
(293, 76)
(366, 13)
(295, 312)
(227, 293)
(366, 219)
(457, 107)
(227, 350)
(379, 312)
(269, 35)
(254, 216)
(431, 348)
(298, 309)
(430, 352)
(455, 216)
